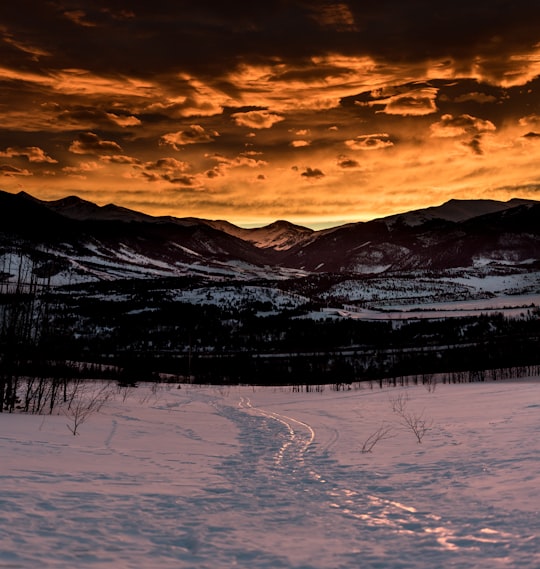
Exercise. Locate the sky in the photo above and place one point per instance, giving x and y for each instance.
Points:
(319, 112)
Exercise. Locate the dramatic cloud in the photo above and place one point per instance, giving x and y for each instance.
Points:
(475, 144)
(90, 116)
(195, 134)
(7, 170)
(90, 143)
(31, 153)
(530, 120)
(35, 52)
(450, 126)
(257, 119)
(413, 102)
(96, 96)
(82, 169)
(242, 160)
(168, 170)
(370, 142)
(120, 159)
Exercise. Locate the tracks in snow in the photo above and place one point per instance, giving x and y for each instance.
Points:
(326, 489)
(300, 436)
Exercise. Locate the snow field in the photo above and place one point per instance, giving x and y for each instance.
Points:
(208, 477)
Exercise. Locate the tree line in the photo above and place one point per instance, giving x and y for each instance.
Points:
(132, 331)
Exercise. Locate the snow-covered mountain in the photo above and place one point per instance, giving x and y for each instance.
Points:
(78, 240)
(280, 235)
(509, 236)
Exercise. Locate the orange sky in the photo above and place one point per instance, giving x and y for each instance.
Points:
(317, 112)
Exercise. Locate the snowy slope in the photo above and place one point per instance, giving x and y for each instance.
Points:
(263, 478)
(280, 235)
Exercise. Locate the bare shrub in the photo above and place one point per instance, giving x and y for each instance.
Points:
(416, 422)
(385, 431)
(125, 390)
(85, 400)
(399, 402)
(154, 393)
(430, 382)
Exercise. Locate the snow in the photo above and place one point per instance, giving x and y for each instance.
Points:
(466, 291)
(497, 284)
(279, 235)
(495, 303)
(517, 306)
(240, 296)
(254, 477)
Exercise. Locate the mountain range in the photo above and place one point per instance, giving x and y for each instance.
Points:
(77, 240)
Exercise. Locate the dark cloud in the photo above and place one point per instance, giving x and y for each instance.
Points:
(451, 126)
(413, 100)
(213, 173)
(346, 162)
(8, 170)
(91, 143)
(476, 97)
(475, 144)
(312, 173)
(195, 134)
(209, 37)
(185, 181)
(169, 170)
(97, 117)
(374, 141)
(120, 159)
(31, 153)
(322, 80)
(79, 17)
(168, 164)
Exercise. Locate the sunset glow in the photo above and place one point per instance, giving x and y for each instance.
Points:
(320, 113)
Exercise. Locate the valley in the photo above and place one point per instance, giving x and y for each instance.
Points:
(103, 288)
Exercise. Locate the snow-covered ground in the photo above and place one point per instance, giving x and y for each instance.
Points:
(240, 296)
(208, 477)
(518, 306)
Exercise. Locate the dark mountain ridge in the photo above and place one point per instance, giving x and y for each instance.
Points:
(119, 241)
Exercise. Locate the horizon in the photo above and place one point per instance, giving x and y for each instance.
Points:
(322, 113)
